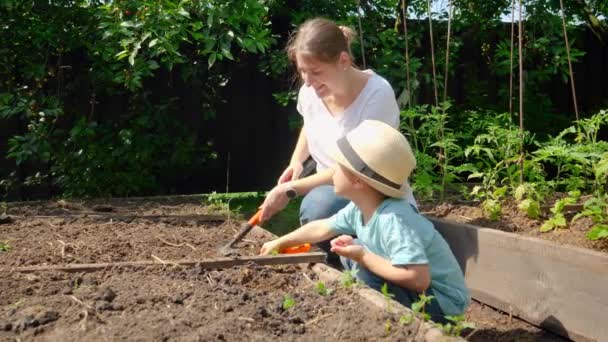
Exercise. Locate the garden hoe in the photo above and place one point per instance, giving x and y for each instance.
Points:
(308, 169)
(245, 228)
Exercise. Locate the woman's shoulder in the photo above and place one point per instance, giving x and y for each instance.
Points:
(378, 83)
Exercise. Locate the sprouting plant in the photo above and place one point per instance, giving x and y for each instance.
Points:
(387, 326)
(387, 296)
(419, 306)
(323, 290)
(456, 325)
(349, 278)
(406, 319)
(16, 304)
(218, 202)
(528, 199)
(288, 302)
(558, 220)
(4, 246)
(490, 194)
(418, 311)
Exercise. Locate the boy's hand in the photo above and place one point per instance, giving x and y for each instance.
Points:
(270, 246)
(344, 246)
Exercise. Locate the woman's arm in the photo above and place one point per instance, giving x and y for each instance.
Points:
(299, 155)
(300, 152)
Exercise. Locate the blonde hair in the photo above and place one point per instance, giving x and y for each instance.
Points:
(321, 39)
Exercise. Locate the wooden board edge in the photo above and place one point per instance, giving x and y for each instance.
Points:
(217, 263)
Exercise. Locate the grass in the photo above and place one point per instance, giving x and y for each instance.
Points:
(245, 205)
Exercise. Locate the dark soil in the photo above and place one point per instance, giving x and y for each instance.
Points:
(164, 303)
(187, 304)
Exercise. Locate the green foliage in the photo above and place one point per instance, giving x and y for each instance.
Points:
(599, 231)
(529, 197)
(288, 302)
(4, 246)
(558, 220)
(597, 208)
(323, 290)
(436, 147)
(151, 34)
(530, 207)
(128, 140)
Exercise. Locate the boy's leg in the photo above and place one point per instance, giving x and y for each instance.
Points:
(402, 295)
(321, 203)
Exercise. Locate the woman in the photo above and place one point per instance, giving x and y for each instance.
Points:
(334, 98)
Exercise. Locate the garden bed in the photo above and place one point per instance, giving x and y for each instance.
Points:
(513, 220)
(168, 302)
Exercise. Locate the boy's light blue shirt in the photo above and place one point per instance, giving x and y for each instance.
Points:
(399, 234)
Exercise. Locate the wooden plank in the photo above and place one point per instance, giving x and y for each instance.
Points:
(216, 263)
(560, 288)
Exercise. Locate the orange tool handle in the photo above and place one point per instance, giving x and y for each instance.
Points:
(296, 249)
(256, 218)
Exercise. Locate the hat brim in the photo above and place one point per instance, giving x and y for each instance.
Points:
(383, 188)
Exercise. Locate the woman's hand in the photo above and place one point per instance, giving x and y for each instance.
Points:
(344, 245)
(292, 172)
(270, 246)
(275, 201)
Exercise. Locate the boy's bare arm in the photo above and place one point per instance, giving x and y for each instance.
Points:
(311, 232)
(414, 277)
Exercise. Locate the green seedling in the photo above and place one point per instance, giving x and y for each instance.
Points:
(456, 325)
(419, 306)
(16, 304)
(406, 319)
(387, 327)
(528, 198)
(218, 203)
(387, 296)
(349, 278)
(288, 302)
(4, 246)
(323, 290)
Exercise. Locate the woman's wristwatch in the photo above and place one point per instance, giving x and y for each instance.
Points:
(290, 192)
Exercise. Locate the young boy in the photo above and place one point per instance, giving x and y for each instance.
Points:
(395, 244)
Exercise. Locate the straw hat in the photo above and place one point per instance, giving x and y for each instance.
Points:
(379, 154)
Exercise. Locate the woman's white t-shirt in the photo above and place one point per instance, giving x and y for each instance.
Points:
(376, 101)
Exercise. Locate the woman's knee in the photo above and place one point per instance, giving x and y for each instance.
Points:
(321, 202)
